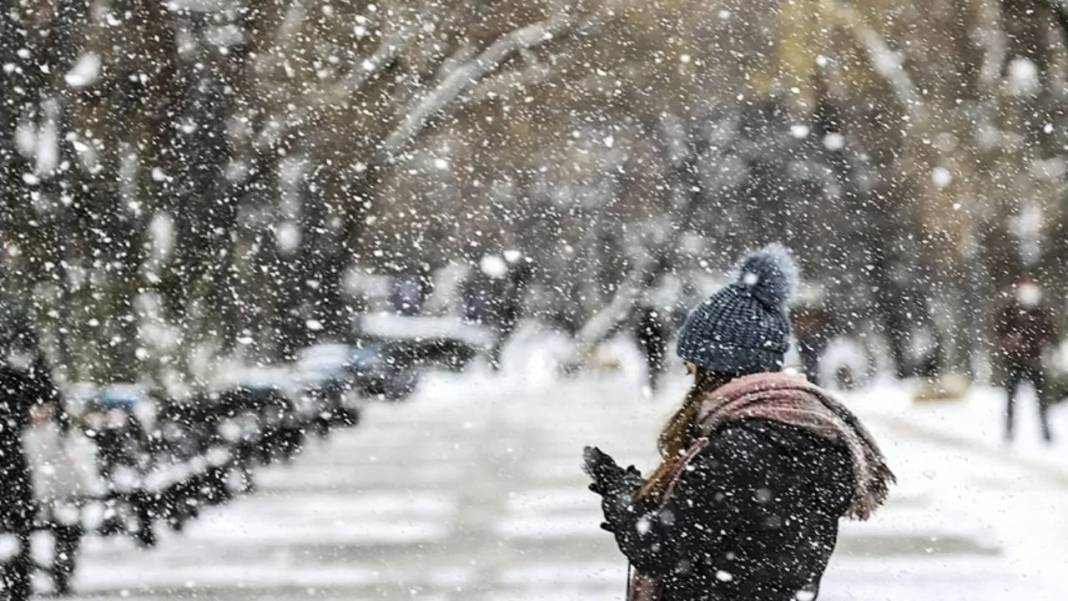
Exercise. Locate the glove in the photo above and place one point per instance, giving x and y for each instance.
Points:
(608, 477)
(616, 486)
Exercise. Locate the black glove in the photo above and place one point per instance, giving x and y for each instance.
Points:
(608, 477)
(601, 468)
(616, 486)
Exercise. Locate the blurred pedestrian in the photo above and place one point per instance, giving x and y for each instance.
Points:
(493, 297)
(409, 293)
(812, 328)
(651, 333)
(17, 506)
(510, 309)
(757, 465)
(64, 476)
(1025, 330)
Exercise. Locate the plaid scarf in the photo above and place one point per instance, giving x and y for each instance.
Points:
(793, 400)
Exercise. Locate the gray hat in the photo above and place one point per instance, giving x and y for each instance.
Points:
(744, 328)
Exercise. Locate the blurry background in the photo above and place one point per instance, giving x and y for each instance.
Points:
(229, 228)
(214, 177)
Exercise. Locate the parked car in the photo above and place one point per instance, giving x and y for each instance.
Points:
(382, 369)
(428, 341)
(371, 368)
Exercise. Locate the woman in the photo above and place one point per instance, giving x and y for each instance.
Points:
(757, 465)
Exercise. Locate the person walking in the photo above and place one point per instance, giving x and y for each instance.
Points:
(17, 506)
(493, 297)
(1025, 330)
(757, 465)
(510, 303)
(64, 476)
(812, 329)
(651, 333)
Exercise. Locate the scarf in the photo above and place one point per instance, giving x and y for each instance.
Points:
(793, 400)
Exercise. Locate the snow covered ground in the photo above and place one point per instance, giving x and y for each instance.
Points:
(473, 492)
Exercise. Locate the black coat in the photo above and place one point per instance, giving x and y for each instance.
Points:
(754, 517)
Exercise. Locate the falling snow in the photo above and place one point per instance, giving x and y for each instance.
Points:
(324, 299)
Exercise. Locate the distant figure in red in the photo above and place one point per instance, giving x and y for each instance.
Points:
(1025, 331)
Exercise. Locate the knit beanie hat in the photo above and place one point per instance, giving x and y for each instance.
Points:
(744, 328)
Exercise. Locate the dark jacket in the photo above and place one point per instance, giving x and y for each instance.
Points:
(16, 493)
(1023, 334)
(754, 517)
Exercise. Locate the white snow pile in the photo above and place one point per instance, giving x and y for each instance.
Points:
(389, 325)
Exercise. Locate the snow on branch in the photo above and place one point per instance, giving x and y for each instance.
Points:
(370, 67)
(464, 76)
(1060, 12)
(994, 40)
(884, 60)
(506, 84)
(649, 263)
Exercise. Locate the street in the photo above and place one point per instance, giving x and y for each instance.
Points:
(472, 491)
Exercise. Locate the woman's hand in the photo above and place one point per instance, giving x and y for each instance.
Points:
(616, 486)
(608, 477)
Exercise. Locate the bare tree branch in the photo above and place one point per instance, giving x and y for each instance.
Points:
(465, 76)
(994, 41)
(1060, 12)
(505, 85)
(371, 66)
(884, 60)
(679, 153)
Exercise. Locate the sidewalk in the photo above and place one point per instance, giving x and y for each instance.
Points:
(975, 422)
(974, 518)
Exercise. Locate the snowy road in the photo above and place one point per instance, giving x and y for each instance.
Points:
(473, 492)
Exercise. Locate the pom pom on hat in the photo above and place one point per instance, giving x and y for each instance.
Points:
(770, 274)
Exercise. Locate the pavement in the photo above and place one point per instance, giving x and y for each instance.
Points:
(472, 491)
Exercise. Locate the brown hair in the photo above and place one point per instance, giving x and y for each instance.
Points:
(681, 431)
